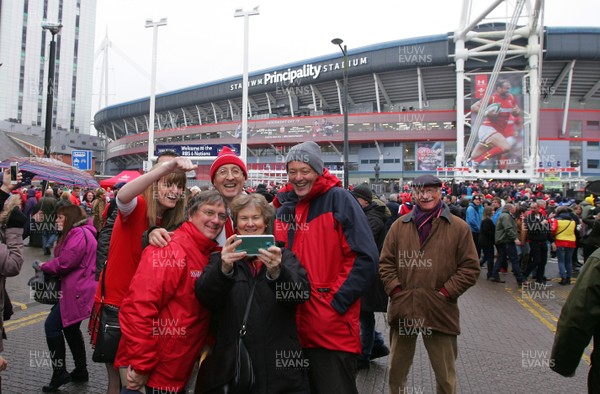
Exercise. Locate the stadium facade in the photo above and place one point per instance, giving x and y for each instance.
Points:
(402, 111)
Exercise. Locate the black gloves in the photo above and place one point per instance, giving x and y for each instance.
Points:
(16, 219)
(37, 265)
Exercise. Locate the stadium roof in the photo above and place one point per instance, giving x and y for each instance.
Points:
(393, 64)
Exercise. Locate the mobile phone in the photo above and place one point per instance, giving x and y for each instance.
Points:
(14, 170)
(251, 243)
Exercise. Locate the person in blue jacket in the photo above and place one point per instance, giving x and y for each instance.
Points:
(474, 218)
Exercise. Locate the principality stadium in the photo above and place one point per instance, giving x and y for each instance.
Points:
(409, 108)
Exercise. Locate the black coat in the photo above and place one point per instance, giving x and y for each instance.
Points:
(272, 338)
(376, 299)
(487, 233)
(103, 238)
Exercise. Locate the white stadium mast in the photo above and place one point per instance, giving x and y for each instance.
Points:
(518, 32)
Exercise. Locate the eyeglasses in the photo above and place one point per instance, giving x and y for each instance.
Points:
(235, 172)
(211, 214)
(423, 193)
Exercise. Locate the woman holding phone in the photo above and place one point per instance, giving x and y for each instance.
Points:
(280, 284)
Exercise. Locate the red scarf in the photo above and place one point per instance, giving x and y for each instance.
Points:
(424, 220)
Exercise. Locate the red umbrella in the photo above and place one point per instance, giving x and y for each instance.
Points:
(124, 176)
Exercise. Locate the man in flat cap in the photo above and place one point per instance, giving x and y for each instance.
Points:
(428, 260)
(325, 227)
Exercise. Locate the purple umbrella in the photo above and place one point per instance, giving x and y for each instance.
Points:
(48, 169)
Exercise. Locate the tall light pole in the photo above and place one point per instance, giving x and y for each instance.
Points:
(154, 26)
(246, 14)
(338, 42)
(54, 29)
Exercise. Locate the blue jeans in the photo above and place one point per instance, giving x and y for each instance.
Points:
(53, 325)
(48, 238)
(565, 258)
(369, 337)
(508, 251)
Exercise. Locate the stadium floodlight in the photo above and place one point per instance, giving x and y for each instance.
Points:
(338, 42)
(154, 26)
(246, 14)
(54, 29)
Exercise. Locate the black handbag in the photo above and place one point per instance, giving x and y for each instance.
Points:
(230, 363)
(8, 308)
(109, 331)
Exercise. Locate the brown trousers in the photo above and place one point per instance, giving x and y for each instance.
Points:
(442, 350)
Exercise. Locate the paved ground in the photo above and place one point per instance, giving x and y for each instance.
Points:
(505, 344)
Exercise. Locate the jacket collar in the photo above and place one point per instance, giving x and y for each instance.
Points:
(446, 214)
(200, 240)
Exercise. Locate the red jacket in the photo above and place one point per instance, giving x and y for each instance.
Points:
(75, 200)
(164, 326)
(330, 234)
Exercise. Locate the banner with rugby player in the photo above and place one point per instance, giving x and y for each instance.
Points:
(498, 143)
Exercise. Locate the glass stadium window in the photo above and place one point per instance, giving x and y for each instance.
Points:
(593, 145)
(450, 152)
(575, 127)
(592, 125)
(575, 151)
(593, 163)
(409, 156)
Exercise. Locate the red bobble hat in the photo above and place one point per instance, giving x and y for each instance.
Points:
(226, 156)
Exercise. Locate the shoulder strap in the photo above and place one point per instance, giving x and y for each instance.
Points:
(246, 313)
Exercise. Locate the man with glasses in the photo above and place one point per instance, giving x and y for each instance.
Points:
(228, 175)
(426, 263)
(324, 225)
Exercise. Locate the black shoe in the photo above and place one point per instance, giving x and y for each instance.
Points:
(80, 375)
(58, 379)
(379, 351)
(363, 364)
(497, 280)
(563, 282)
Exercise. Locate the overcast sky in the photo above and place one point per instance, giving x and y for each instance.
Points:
(203, 42)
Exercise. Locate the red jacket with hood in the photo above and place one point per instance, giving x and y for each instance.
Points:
(330, 234)
(164, 326)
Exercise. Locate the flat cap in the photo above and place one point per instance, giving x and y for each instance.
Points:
(426, 180)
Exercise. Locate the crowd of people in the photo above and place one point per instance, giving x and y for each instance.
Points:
(167, 258)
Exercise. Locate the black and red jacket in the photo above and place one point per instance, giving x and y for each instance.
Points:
(330, 234)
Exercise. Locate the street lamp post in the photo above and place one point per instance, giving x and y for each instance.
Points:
(154, 26)
(246, 14)
(54, 29)
(338, 42)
